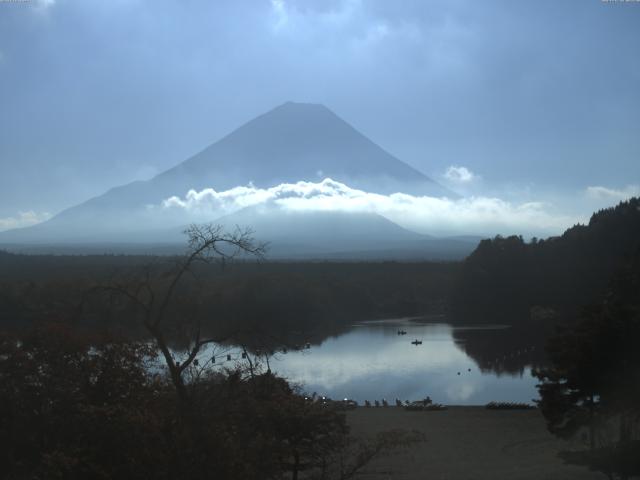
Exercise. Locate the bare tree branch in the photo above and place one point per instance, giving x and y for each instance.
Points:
(205, 243)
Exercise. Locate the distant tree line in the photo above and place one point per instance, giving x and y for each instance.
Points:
(305, 300)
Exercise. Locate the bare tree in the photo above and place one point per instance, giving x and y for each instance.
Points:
(152, 293)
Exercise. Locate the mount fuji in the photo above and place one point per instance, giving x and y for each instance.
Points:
(293, 142)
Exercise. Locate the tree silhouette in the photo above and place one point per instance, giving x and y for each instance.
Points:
(153, 292)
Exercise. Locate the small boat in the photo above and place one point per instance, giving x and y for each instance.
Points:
(416, 342)
(402, 332)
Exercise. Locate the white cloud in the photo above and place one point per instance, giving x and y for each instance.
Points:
(459, 175)
(604, 193)
(280, 12)
(431, 215)
(23, 219)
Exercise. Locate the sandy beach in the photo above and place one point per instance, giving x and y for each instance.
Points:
(468, 443)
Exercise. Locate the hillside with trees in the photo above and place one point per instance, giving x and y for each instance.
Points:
(509, 280)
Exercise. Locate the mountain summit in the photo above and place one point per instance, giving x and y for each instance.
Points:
(299, 141)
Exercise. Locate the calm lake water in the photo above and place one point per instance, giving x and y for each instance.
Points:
(371, 361)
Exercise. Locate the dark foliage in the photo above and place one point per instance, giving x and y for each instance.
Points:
(74, 406)
(69, 410)
(505, 278)
(592, 385)
(304, 300)
(77, 406)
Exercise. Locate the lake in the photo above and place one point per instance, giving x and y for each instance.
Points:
(371, 361)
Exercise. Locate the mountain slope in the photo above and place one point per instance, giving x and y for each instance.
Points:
(299, 142)
(321, 232)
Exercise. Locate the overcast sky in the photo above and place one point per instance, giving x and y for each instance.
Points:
(523, 100)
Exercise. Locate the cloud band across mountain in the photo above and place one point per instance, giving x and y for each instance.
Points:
(423, 214)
